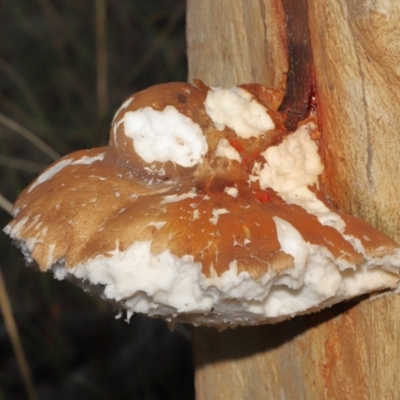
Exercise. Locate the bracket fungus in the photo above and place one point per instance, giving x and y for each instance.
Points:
(202, 209)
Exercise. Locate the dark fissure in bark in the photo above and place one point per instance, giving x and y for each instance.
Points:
(300, 87)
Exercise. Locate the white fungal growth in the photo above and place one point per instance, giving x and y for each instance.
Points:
(58, 166)
(174, 287)
(173, 198)
(237, 109)
(115, 125)
(124, 105)
(50, 255)
(155, 171)
(15, 230)
(158, 225)
(232, 191)
(292, 243)
(224, 149)
(196, 215)
(216, 213)
(293, 166)
(165, 135)
(172, 283)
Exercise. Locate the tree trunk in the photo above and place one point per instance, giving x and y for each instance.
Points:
(350, 350)
(232, 42)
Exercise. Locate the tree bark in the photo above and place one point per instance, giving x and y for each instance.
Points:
(356, 47)
(237, 41)
(350, 350)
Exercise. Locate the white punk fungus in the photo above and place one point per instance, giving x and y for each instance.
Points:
(164, 285)
(165, 135)
(237, 109)
(293, 166)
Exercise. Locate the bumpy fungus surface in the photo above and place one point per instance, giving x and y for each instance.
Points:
(202, 209)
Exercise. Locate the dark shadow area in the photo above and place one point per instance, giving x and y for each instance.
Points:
(76, 349)
(232, 344)
(49, 76)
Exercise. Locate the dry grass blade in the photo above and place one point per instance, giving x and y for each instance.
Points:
(29, 136)
(26, 91)
(158, 42)
(66, 67)
(5, 204)
(101, 43)
(15, 339)
(21, 164)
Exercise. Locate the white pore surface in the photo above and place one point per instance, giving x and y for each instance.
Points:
(167, 286)
(165, 135)
(58, 166)
(237, 109)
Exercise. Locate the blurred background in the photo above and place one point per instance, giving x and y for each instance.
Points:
(65, 67)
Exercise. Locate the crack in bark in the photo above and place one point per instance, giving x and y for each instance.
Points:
(300, 85)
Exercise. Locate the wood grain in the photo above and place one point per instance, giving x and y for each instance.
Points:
(356, 46)
(232, 42)
(346, 352)
(349, 351)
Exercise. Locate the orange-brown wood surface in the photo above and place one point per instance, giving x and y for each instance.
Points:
(346, 352)
(349, 351)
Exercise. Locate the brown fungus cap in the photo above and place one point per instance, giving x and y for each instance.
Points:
(202, 209)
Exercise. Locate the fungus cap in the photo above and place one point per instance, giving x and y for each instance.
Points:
(184, 218)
